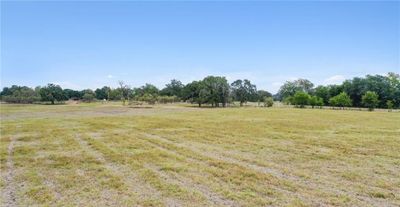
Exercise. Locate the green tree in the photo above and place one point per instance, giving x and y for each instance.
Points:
(341, 100)
(386, 87)
(243, 91)
(72, 94)
(195, 92)
(291, 87)
(115, 94)
(217, 90)
(125, 91)
(316, 101)
(19, 94)
(174, 88)
(103, 93)
(370, 100)
(88, 97)
(262, 95)
(146, 89)
(288, 100)
(301, 99)
(52, 93)
(322, 92)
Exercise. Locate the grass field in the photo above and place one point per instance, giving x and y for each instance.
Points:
(110, 155)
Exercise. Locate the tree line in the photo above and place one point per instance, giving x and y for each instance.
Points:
(370, 91)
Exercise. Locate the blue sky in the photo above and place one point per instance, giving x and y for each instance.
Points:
(90, 44)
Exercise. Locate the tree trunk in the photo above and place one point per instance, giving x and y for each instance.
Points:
(241, 103)
(52, 101)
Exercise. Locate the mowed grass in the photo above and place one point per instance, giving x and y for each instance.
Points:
(110, 155)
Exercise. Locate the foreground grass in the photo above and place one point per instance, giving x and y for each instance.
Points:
(98, 155)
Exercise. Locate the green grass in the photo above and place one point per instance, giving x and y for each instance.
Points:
(107, 154)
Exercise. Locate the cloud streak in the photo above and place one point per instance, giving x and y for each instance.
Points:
(336, 79)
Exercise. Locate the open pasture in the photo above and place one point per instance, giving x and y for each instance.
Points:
(175, 155)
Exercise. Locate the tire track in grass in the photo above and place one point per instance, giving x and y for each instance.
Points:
(132, 180)
(212, 197)
(201, 163)
(9, 197)
(172, 188)
(366, 201)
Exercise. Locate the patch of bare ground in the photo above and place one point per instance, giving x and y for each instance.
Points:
(143, 190)
(307, 184)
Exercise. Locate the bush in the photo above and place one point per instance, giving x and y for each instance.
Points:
(370, 100)
(288, 100)
(316, 101)
(88, 97)
(268, 102)
(301, 99)
(148, 98)
(21, 94)
(340, 100)
(389, 105)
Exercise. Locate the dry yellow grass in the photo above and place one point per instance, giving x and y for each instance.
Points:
(110, 155)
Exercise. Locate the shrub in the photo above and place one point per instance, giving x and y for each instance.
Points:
(288, 100)
(389, 105)
(268, 102)
(341, 100)
(148, 98)
(316, 101)
(21, 94)
(370, 100)
(88, 97)
(301, 99)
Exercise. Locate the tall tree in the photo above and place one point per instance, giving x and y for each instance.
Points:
(218, 89)
(243, 91)
(125, 91)
(323, 93)
(262, 95)
(174, 88)
(146, 89)
(52, 93)
(291, 87)
(72, 94)
(195, 92)
(103, 93)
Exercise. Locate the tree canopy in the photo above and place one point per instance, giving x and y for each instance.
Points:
(370, 100)
(243, 90)
(52, 93)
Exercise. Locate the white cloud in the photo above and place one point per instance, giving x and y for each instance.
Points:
(110, 76)
(336, 79)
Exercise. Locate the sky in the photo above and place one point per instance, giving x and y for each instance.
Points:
(90, 44)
